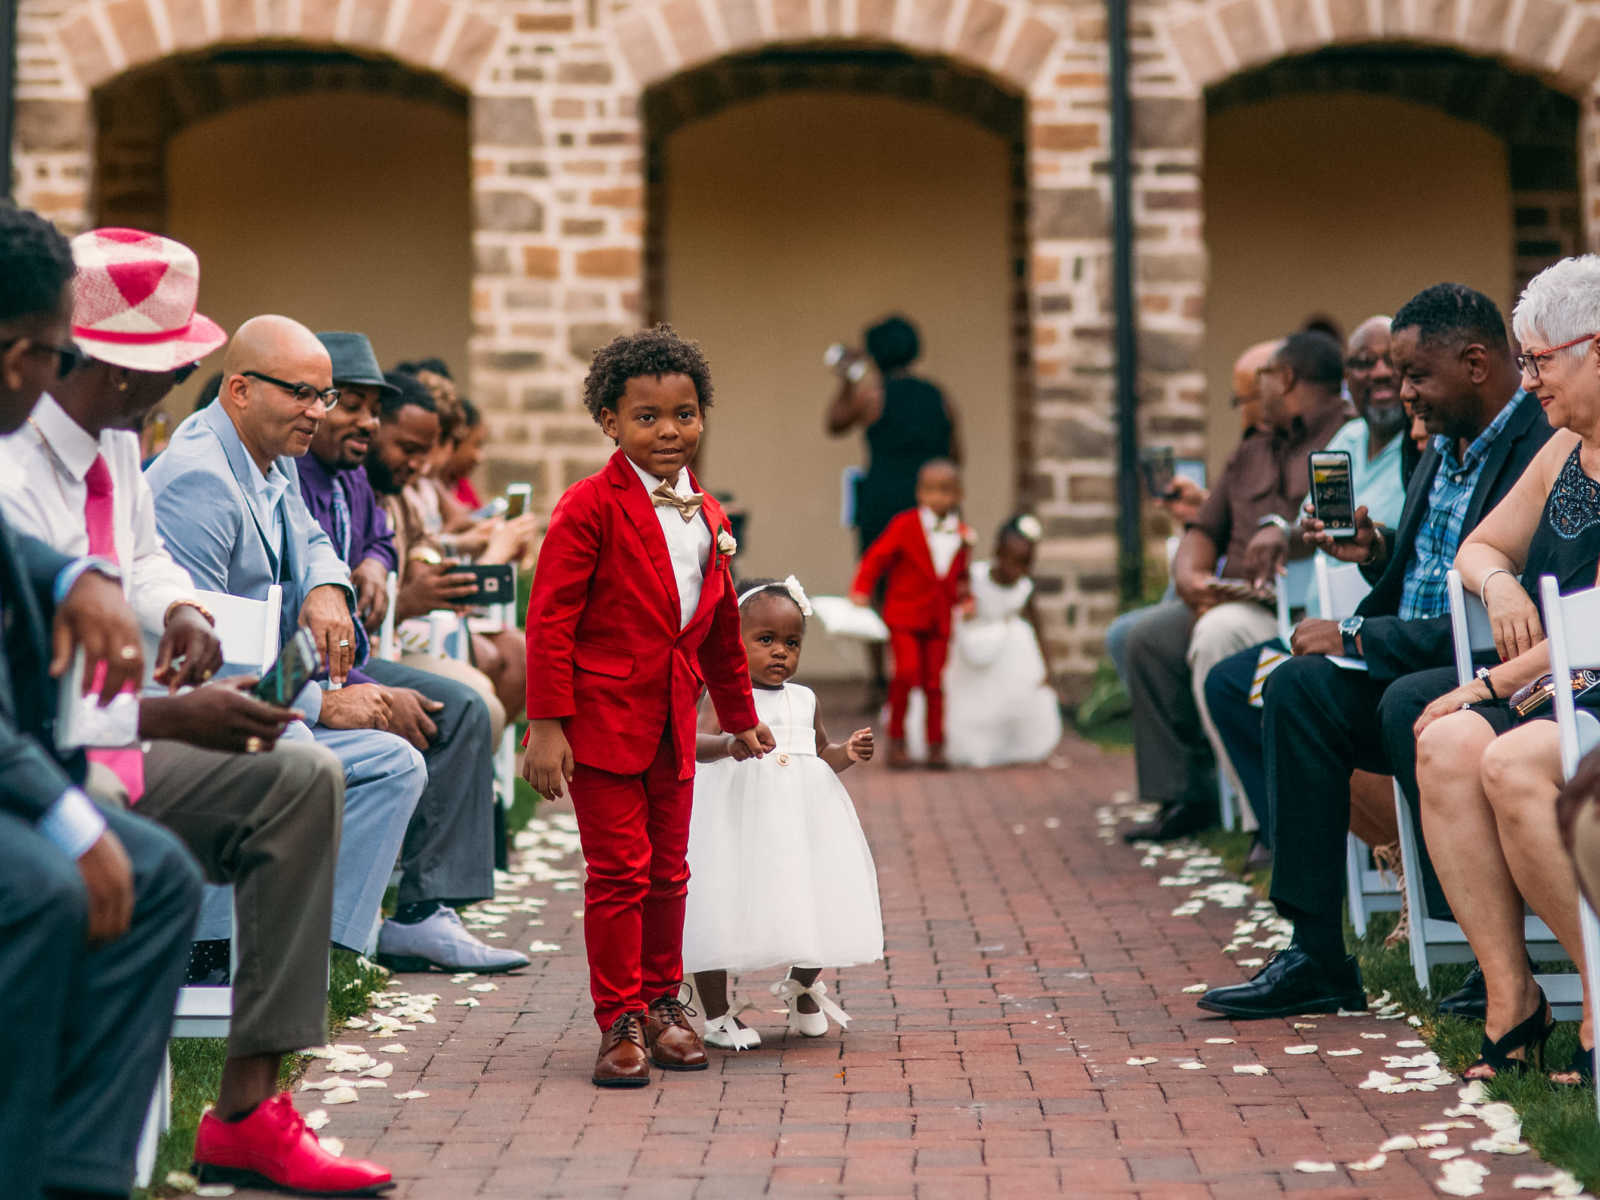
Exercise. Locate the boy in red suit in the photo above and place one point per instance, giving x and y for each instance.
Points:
(633, 613)
(923, 554)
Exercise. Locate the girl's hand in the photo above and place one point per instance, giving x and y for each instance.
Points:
(858, 748)
(1454, 700)
(756, 741)
(737, 750)
(548, 763)
(1513, 616)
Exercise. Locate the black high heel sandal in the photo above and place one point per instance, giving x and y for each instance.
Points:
(1581, 1065)
(1494, 1057)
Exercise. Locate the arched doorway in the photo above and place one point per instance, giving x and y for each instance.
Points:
(796, 196)
(1344, 181)
(329, 186)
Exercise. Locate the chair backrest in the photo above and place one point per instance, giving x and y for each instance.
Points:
(1293, 586)
(247, 629)
(386, 643)
(1572, 625)
(1469, 625)
(1340, 587)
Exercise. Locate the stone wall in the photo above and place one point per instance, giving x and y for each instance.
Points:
(560, 159)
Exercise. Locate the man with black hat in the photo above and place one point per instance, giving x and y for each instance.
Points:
(447, 859)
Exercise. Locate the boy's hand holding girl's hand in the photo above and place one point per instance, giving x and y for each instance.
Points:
(752, 743)
(859, 746)
(547, 764)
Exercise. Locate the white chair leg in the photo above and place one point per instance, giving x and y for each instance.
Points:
(505, 767)
(1416, 903)
(1590, 925)
(157, 1120)
(1227, 801)
(1355, 860)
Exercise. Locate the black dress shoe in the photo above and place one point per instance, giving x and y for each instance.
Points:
(1470, 1000)
(1173, 821)
(1292, 982)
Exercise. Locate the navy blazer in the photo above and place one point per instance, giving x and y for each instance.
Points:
(1390, 646)
(32, 774)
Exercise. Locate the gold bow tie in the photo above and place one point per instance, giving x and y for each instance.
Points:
(665, 497)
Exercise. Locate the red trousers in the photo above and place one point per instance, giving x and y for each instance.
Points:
(918, 663)
(635, 835)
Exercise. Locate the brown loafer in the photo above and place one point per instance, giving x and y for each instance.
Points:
(624, 1060)
(899, 760)
(936, 760)
(674, 1045)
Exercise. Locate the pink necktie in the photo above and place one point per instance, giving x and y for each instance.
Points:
(128, 764)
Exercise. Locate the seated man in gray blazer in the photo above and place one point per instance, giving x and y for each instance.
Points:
(227, 502)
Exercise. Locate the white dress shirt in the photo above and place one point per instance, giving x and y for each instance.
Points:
(944, 538)
(42, 489)
(688, 542)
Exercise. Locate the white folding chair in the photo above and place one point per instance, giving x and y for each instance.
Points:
(248, 631)
(1435, 941)
(1572, 625)
(387, 649)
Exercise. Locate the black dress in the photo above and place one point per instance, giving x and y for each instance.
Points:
(913, 427)
(1566, 544)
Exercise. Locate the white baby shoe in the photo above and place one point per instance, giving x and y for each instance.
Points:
(806, 1024)
(728, 1033)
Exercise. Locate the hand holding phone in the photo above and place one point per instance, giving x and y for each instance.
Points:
(1332, 494)
(297, 662)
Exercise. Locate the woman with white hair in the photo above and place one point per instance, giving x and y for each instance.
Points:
(1488, 779)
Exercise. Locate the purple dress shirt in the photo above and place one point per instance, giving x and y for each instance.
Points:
(370, 535)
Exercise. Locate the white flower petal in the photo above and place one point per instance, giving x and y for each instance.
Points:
(340, 1095)
(1307, 1167)
(1191, 1065)
(1249, 1069)
(1308, 1048)
(411, 1095)
(1142, 1062)
(1369, 1164)
(484, 987)
(1400, 1141)
(392, 1048)
(1219, 1041)
(1343, 1053)
(316, 1119)
(1446, 1153)
(1194, 988)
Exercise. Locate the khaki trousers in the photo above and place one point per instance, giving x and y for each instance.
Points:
(268, 824)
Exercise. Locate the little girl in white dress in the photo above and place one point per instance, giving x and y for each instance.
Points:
(999, 705)
(779, 871)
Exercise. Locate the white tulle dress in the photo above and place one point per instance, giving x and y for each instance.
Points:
(779, 871)
(998, 706)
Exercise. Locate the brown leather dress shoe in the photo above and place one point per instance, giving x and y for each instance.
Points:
(899, 760)
(936, 760)
(674, 1045)
(624, 1060)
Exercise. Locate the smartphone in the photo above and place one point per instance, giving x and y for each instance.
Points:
(497, 583)
(297, 662)
(1332, 499)
(1192, 469)
(1160, 468)
(517, 499)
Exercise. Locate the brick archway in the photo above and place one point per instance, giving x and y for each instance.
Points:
(1004, 38)
(104, 38)
(1555, 40)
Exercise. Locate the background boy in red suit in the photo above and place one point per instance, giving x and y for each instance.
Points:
(923, 555)
(633, 613)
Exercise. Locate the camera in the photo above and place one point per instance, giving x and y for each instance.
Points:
(845, 362)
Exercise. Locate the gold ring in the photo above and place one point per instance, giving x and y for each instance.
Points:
(126, 653)
(252, 745)
(205, 675)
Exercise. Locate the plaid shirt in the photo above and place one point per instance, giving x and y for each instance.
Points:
(1439, 535)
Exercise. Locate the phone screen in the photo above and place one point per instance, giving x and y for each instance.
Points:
(1331, 495)
(1160, 467)
(516, 500)
(297, 663)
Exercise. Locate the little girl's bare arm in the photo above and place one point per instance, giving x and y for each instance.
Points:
(710, 743)
(1031, 614)
(841, 755)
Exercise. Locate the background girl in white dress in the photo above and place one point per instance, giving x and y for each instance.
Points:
(780, 874)
(1000, 705)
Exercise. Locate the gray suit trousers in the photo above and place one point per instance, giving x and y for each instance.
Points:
(269, 825)
(449, 848)
(85, 1030)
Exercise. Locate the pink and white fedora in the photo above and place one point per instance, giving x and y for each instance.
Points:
(133, 301)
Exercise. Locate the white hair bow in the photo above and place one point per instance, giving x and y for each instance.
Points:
(798, 595)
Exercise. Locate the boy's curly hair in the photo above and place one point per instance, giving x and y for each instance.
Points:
(656, 351)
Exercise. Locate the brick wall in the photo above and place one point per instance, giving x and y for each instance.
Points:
(559, 163)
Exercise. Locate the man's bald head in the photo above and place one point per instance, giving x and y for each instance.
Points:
(1371, 379)
(267, 359)
(1247, 381)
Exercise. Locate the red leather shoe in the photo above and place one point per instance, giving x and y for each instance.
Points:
(273, 1148)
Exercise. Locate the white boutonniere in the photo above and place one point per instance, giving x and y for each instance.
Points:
(969, 538)
(727, 546)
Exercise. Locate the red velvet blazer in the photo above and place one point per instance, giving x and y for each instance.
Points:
(605, 653)
(916, 599)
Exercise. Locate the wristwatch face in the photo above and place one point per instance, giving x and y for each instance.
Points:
(1350, 626)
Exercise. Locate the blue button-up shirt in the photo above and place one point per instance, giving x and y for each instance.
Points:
(1439, 535)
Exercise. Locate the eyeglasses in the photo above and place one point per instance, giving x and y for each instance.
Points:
(304, 394)
(1367, 363)
(67, 357)
(1531, 364)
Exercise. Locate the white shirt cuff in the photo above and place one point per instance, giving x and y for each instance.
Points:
(73, 823)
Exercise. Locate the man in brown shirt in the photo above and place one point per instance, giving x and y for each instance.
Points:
(1172, 648)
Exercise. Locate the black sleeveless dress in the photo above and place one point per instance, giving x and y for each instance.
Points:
(1567, 545)
(913, 427)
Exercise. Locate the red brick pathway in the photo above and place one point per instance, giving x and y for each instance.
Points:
(1028, 959)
